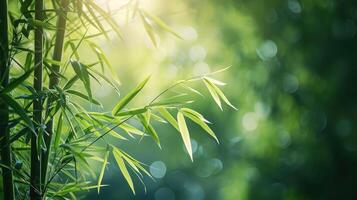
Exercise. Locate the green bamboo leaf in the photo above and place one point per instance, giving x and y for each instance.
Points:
(168, 117)
(148, 28)
(192, 90)
(96, 19)
(214, 81)
(136, 163)
(149, 128)
(17, 81)
(81, 71)
(195, 113)
(53, 62)
(131, 129)
(58, 131)
(107, 80)
(107, 17)
(101, 175)
(28, 61)
(162, 24)
(17, 135)
(135, 111)
(70, 82)
(184, 133)
(103, 58)
(158, 118)
(83, 96)
(17, 109)
(38, 23)
(198, 119)
(118, 157)
(113, 133)
(171, 103)
(223, 97)
(213, 92)
(125, 100)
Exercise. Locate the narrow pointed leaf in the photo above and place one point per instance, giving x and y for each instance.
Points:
(17, 81)
(17, 109)
(149, 128)
(101, 175)
(125, 100)
(123, 169)
(223, 97)
(184, 133)
(162, 24)
(213, 92)
(135, 111)
(83, 96)
(149, 29)
(168, 117)
(199, 120)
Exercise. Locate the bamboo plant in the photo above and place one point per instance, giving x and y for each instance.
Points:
(7, 176)
(47, 137)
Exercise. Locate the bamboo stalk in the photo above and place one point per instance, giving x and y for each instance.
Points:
(8, 183)
(54, 80)
(35, 190)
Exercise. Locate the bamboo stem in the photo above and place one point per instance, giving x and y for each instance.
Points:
(8, 183)
(54, 80)
(35, 191)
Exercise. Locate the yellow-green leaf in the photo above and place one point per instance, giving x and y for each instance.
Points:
(223, 97)
(199, 119)
(118, 157)
(213, 92)
(148, 29)
(184, 133)
(168, 117)
(125, 100)
(101, 175)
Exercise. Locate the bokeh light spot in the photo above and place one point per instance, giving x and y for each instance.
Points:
(188, 33)
(267, 50)
(201, 68)
(250, 121)
(294, 6)
(197, 53)
(158, 169)
(290, 83)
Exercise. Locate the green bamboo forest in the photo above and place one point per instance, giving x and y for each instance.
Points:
(178, 100)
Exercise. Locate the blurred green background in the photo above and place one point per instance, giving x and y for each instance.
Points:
(293, 79)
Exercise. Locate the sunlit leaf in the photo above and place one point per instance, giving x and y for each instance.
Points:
(223, 97)
(198, 119)
(58, 131)
(214, 81)
(125, 100)
(132, 112)
(149, 128)
(83, 96)
(162, 24)
(168, 117)
(148, 29)
(118, 157)
(81, 71)
(184, 133)
(213, 92)
(101, 175)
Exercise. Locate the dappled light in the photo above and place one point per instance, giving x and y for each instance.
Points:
(178, 100)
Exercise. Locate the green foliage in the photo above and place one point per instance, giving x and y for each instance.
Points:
(67, 135)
